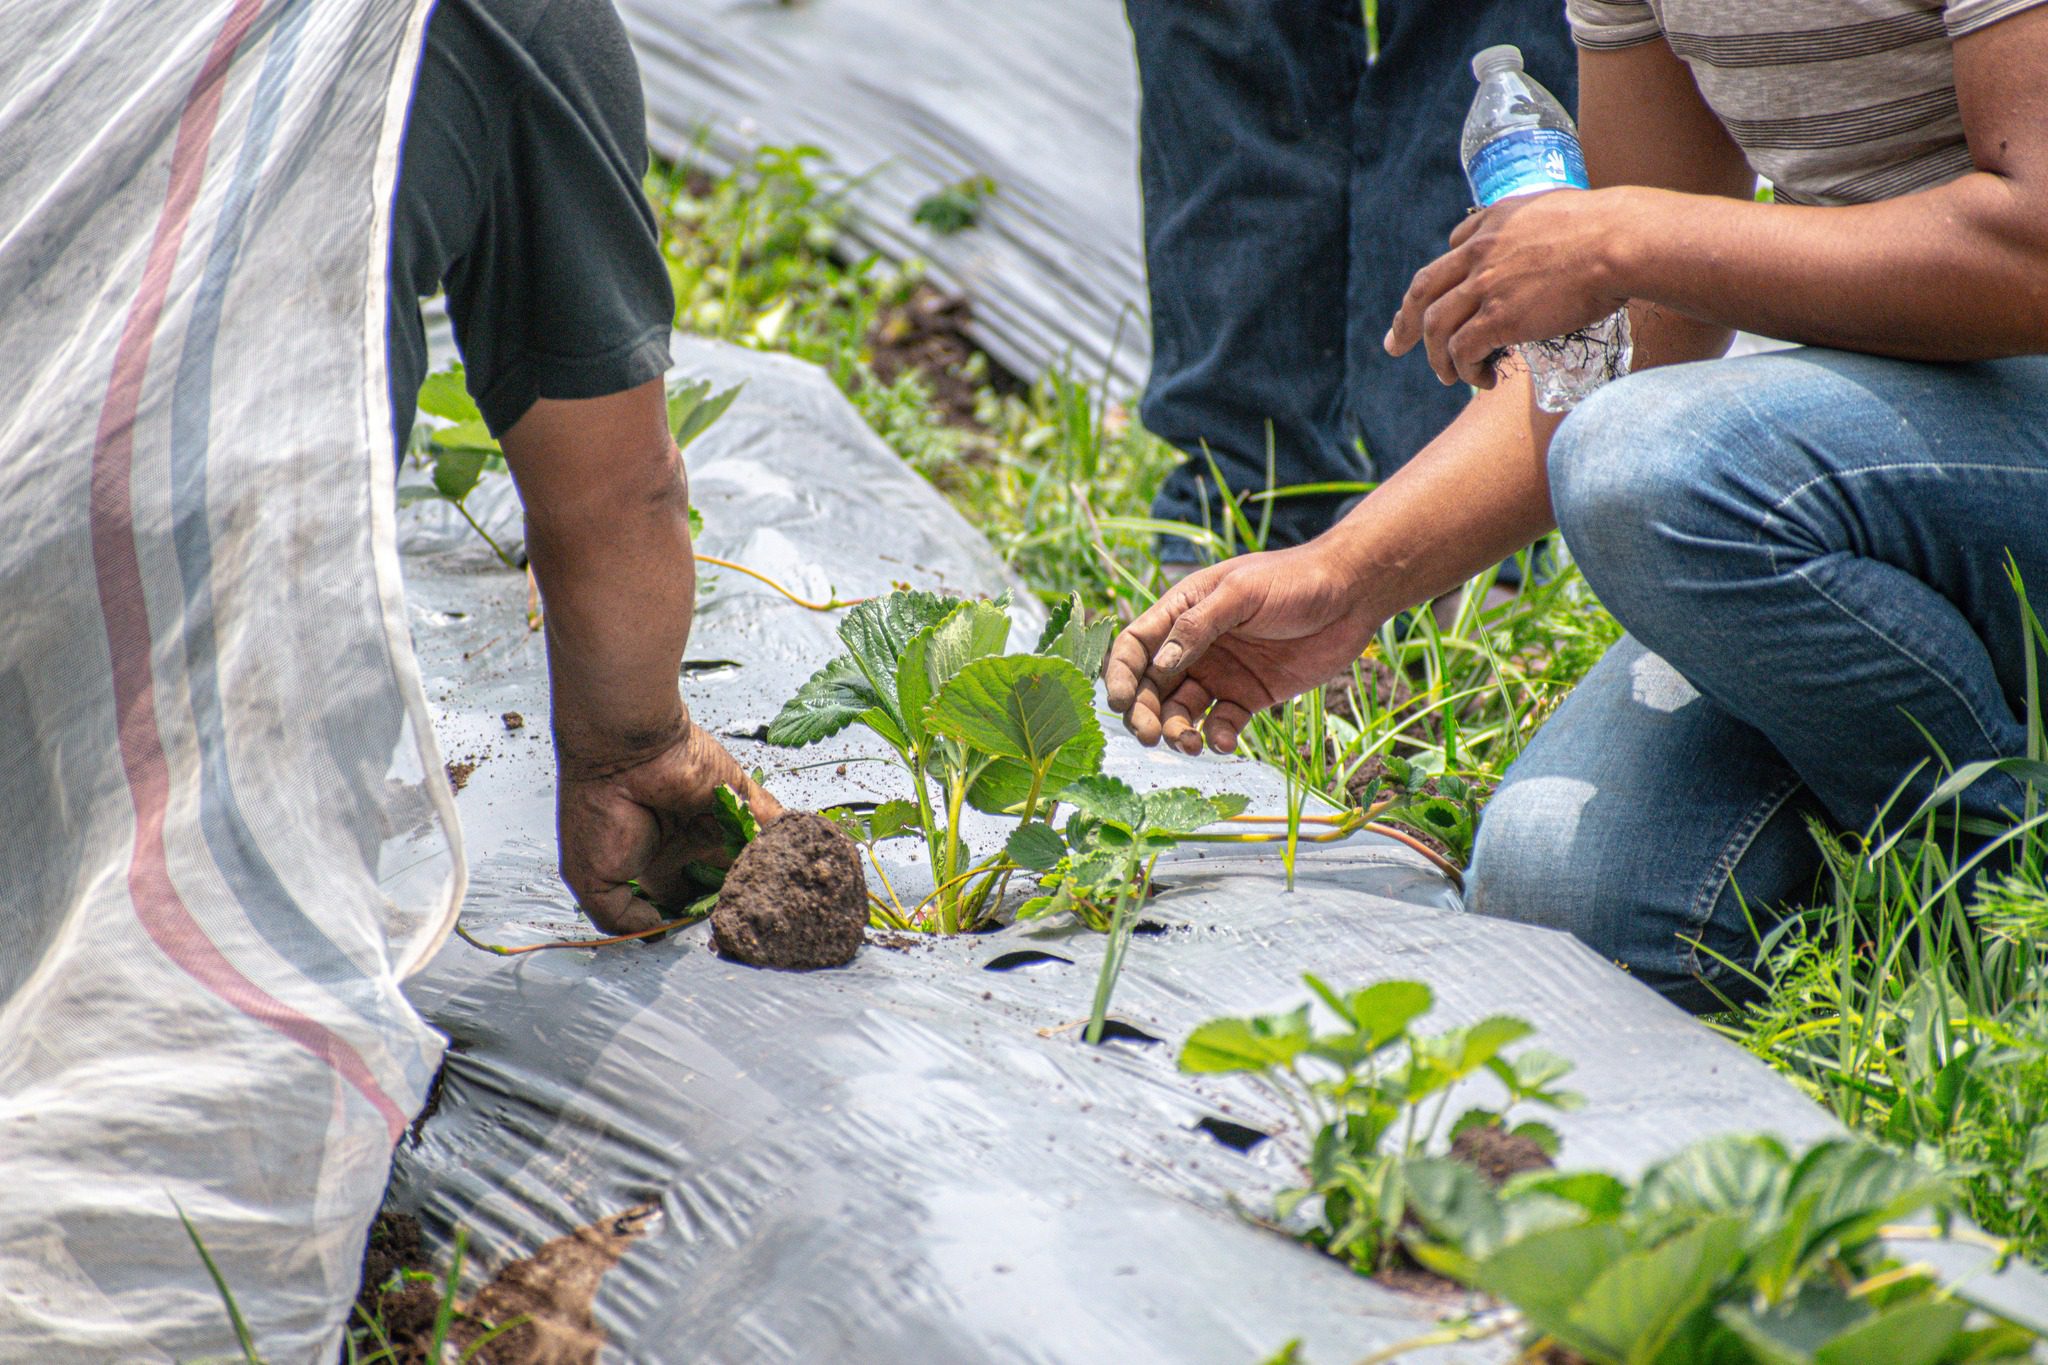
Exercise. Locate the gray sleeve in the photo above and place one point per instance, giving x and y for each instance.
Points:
(1602, 24)
(1967, 16)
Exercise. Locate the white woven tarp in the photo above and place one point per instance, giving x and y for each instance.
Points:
(221, 846)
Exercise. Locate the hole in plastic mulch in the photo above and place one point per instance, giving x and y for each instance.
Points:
(1117, 1029)
(1235, 1136)
(1022, 957)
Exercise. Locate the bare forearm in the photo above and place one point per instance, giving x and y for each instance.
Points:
(608, 534)
(619, 584)
(1959, 272)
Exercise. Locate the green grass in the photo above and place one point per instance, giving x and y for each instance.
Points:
(1912, 998)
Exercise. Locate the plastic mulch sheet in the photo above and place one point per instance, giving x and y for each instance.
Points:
(915, 1157)
(1040, 95)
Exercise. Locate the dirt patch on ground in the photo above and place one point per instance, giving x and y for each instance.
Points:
(553, 1290)
(796, 898)
(928, 335)
(1498, 1154)
(1386, 687)
(458, 773)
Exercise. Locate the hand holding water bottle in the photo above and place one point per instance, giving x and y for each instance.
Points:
(1530, 264)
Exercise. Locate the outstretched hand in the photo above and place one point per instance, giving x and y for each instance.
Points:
(647, 822)
(1232, 640)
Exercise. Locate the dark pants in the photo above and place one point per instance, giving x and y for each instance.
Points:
(1291, 193)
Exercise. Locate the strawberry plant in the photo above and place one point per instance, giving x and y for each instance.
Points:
(1100, 867)
(1370, 1098)
(969, 725)
(1735, 1250)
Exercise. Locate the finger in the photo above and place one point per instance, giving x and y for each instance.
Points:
(1181, 715)
(1431, 283)
(1473, 346)
(1225, 722)
(1469, 224)
(1131, 654)
(1446, 316)
(1224, 609)
(613, 907)
(1142, 720)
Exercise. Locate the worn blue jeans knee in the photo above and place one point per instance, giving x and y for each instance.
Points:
(1809, 551)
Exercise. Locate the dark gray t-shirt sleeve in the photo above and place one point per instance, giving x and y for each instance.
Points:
(520, 195)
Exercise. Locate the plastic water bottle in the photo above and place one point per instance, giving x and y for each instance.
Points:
(1519, 140)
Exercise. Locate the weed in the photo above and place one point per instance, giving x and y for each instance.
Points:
(956, 207)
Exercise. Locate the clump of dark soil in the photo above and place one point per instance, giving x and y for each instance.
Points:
(796, 898)
(1498, 1154)
(458, 773)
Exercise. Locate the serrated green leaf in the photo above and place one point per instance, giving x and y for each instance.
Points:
(1789, 1333)
(1004, 784)
(1258, 1043)
(1080, 644)
(835, 697)
(1056, 621)
(1037, 846)
(1019, 706)
(936, 654)
(893, 818)
(466, 437)
(1911, 1334)
(876, 631)
(1856, 1188)
(1727, 1174)
(1382, 1012)
(456, 473)
(1106, 799)
(734, 819)
(446, 396)
(1545, 1273)
(1633, 1307)
(1180, 810)
(419, 492)
(692, 408)
(1454, 1204)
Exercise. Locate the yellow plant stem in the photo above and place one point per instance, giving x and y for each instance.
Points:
(833, 605)
(503, 950)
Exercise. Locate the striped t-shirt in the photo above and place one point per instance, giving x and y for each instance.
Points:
(1836, 101)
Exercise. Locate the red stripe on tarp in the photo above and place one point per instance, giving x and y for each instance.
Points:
(117, 568)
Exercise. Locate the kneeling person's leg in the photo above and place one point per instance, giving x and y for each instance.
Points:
(1653, 826)
(1818, 542)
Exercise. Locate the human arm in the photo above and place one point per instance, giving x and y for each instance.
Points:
(1956, 272)
(1289, 621)
(608, 536)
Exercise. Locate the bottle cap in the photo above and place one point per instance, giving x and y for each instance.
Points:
(1506, 57)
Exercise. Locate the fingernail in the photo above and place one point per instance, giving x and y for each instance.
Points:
(1168, 657)
(1387, 342)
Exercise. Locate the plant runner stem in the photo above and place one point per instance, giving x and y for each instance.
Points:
(833, 605)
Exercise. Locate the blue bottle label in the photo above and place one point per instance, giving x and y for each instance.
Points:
(1526, 161)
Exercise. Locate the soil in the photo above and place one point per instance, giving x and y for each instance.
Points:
(796, 898)
(1498, 1154)
(407, 1312)
(928, 334)
(1389, 689)
(513, 720)
(554, 1289)
(458, 774)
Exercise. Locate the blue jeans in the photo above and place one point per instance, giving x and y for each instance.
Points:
(1808, 550)
(1291, 193)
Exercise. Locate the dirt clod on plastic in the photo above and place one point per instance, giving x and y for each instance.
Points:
(796, 898)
